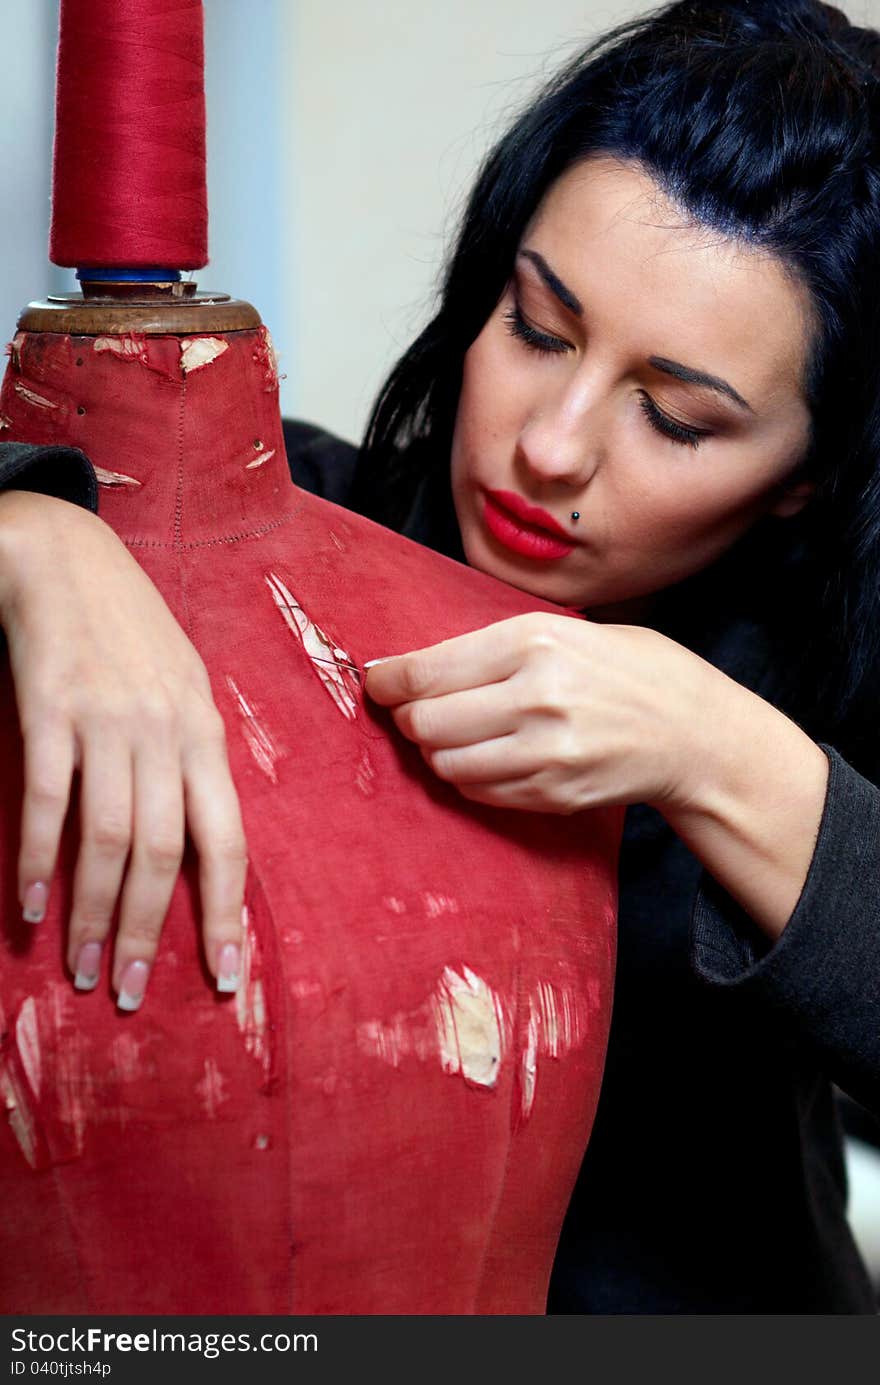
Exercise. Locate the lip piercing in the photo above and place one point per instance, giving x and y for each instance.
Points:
(575, 516)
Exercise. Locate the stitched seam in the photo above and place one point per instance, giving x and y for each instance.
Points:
(178, 511)
(178, 499)
(211, 543)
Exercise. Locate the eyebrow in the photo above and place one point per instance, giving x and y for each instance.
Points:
(698, 377)
(554, 283)
(685, 373)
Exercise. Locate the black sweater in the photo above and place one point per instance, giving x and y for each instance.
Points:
(714, 1181)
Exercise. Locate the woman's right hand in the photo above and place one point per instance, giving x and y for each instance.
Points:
(108, 683)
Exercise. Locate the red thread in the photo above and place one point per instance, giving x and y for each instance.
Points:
(129, 169)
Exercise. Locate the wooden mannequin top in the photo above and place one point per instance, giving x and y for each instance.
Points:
(151, 309)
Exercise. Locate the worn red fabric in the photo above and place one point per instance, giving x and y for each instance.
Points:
(390, 1116)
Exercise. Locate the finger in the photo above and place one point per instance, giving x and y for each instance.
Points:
(495, 761)
(48, 771)
(519, 794)
(105, 819)
(156, 854)
(458, 719)
(468, 661)
(214, 819)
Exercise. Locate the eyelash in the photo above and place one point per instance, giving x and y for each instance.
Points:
(691, 437)
(538, 341)
(546, 345)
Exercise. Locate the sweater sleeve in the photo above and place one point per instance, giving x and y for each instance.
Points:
(822, 976)
(60, 471)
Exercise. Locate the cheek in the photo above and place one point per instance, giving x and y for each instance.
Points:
(684, 528)
(491, 403)
(714, 491)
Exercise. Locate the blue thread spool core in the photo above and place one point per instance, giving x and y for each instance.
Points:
(129, 276)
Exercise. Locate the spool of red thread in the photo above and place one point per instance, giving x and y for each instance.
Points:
(129, 186)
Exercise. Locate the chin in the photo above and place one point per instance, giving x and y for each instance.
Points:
(548, 585)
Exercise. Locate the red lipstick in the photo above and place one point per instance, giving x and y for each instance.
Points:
(525, 529)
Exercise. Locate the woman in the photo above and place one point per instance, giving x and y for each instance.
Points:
(654, 372)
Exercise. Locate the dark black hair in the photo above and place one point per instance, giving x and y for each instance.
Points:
(760, 120)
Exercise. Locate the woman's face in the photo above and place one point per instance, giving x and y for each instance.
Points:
(640, 373)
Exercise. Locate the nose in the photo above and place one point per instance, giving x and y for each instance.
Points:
(562, 439)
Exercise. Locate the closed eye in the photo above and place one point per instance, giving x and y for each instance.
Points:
(523, 330)
(546, 344)
(670, 427)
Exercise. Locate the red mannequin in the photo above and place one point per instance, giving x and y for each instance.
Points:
(390, 1114)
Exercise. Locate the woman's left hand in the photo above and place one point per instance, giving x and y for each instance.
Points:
(554, 714)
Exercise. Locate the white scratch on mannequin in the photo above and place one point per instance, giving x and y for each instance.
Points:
(17, 1105)
(19, 1115)
(438, 904)
(365, 775)
(115, 478)
(129, 347)
(266, 356)
(462, 1022)
(31, 397)
(197, 352)
(263, 458)
(53, 1069)
(529, 1064)
(27, 1041)
(74, 1088)
(327, 659)
(212, 1089)
(558, 1020)
(471, 1028)
(257, 738)
(560, 1016)
(467, 1015)
(250, 1000)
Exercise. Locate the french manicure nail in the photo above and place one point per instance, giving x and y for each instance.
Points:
(36, 897)
(371, 663)
(88, 967)
(132, 985)
(228, 968)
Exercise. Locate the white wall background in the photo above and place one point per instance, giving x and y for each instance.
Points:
(27, 35)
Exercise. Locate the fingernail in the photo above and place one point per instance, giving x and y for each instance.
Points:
(132, 985)
(88, 967)
(36, 897)
(228, 968)
(371, 663)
